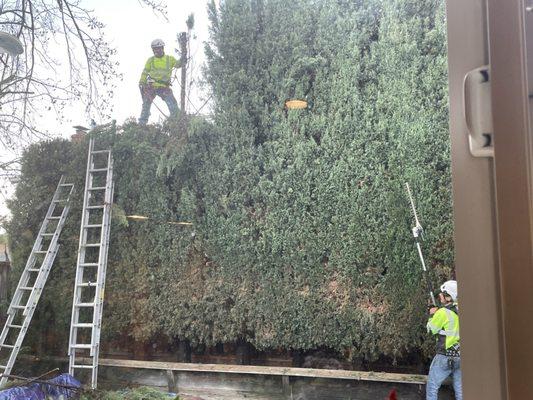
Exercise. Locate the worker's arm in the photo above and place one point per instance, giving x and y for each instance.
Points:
(436, 321)
(175, 63)
(145, 72)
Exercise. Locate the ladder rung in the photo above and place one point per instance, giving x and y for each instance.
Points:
(96, 186)
(18, 307)
(3, 367)
(14, 326)
(33, 270)
(54, 217)
(81, 346)
(26, 288)
(59, 201)
(66, 184)
(82, 325)
(82, 366)
(8, 346)
(84, 305)
(87, 284)
(41, 251)
(47, 234)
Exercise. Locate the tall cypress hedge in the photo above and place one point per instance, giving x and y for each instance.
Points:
(301, 225)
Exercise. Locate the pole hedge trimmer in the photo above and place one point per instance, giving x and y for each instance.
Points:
(418, 233)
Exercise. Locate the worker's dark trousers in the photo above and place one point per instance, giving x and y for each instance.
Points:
(148, 94)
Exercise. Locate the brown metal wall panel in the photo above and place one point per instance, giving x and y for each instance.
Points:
(474, 217)
(513, 166)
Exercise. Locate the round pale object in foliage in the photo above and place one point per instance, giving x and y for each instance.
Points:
(296, 104)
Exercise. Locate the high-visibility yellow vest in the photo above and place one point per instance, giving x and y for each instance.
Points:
(159, 69)
(445, 322)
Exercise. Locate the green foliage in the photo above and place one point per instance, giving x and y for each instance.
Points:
(313, 201)
(301, 225)
(141, 393)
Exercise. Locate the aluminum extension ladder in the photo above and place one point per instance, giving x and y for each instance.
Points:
(34, 276)
(87, 306)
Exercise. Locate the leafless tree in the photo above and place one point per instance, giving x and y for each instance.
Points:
(193, 79)
(66, 59)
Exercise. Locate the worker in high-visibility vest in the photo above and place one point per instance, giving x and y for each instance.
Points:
(155, 81)
(444, 323)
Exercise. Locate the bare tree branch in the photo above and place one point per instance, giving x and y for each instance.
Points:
(159, 7)
(49, 76)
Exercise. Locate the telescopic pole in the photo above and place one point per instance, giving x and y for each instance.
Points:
(418, 235)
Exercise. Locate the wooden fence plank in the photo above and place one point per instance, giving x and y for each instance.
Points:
(261, 370)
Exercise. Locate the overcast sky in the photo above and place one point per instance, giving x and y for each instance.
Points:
(130, 27)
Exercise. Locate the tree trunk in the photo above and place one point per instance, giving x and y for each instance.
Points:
(243, 353)
(184, 351)
(182, 39)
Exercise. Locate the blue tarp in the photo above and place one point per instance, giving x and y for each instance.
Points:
(42, 391)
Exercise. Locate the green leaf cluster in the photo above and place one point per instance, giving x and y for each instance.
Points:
(141, 393)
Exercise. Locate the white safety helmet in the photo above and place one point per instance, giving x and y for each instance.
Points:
(450, 288)
(158, 43)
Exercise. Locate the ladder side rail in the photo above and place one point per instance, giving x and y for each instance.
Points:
(98, 327)
(101, 264)
(102, 280)
(5, 330)
(30, 263)
(46, 266)
(104, 246)
(40, 280)
(23, 281)
(21, 336)
(106, 225)
(80, 261)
